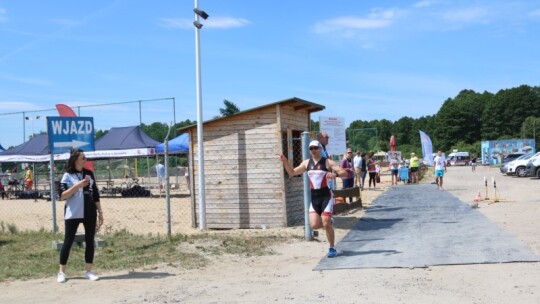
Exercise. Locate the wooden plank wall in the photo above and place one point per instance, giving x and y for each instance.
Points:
(297, 121)
(243, 176)
(242, 172)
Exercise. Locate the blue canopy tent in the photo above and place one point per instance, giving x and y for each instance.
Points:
(34, 150)
(126, 138)
(124, 142)
(177, 145)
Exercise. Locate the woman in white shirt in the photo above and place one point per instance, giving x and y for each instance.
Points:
(78, 187)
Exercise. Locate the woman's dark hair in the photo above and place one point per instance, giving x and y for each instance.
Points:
(74, 155)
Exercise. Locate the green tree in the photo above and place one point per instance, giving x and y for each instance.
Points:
(156, 130)
(362, 135)
(426, 124)
(531, 128)
(460, 118)
(403, 130)
(230, 108)
(508, 110)
(100, 133)
(314, 126)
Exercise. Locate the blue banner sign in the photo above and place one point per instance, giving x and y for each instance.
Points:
(70, 132)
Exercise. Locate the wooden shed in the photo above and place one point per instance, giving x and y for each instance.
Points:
(246, 184)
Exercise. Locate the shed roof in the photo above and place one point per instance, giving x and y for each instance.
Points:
(297, 103)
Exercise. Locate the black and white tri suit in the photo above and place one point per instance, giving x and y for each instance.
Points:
(322, 199)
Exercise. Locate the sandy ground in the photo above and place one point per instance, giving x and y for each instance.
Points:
(287, 277)
(140, 215)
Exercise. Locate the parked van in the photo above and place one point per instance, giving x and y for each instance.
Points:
(458, 159)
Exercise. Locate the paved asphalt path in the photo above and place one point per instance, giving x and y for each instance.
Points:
(419, 226)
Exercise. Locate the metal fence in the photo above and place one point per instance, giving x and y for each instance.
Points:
(135, 203)
(131, 196)
(363, 139)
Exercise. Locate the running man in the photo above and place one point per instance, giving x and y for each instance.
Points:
(319, 169)
(440, 168)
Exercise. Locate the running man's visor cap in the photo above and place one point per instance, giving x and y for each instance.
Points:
(315, 143)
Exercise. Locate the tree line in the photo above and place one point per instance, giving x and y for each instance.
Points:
(461, 123)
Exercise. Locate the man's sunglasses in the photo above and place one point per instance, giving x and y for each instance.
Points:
(314, 148)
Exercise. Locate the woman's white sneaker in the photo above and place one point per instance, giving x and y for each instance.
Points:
(61, 278)
(91, 276)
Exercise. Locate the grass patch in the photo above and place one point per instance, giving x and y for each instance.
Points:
(28, 255)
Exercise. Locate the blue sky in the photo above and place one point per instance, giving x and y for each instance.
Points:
(361, 59)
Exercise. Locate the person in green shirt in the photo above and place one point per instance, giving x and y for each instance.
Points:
(414, 168)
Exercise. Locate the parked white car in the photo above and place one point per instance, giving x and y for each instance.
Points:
(519, 165)
(533, 166)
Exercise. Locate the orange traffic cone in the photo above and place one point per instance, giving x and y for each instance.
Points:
(478, 197)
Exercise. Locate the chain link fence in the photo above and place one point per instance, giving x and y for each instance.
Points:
(295, 207)
(132, 200)
(131, 195)
(363, 139)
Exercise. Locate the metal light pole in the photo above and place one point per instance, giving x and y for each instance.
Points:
(32, 119)
(200, 140)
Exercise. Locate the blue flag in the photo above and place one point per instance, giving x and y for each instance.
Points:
(427, 148)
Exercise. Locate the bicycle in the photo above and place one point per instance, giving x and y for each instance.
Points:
(130, 184)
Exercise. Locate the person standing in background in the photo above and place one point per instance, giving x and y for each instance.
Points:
(364, 168)
(473, 162)
(357, 163)
(29, 181)
(372, 169)
(347, 165)
(160, 171)
(414, 164)
(323, 140)
(186, 175)
(393, 165)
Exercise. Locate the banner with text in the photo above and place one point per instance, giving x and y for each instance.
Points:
(335, 127)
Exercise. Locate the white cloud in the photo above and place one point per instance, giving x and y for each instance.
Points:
(225, 22)
(423, 3)
(468, 15)
(375, 20)
(535, 14)
(173, 23)
(30, 81)
(3, 15)
(66, 22)
(12, 106)
(213, 22)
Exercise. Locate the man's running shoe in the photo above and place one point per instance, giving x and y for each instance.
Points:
(332, 253)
